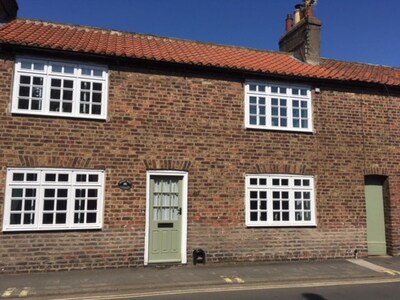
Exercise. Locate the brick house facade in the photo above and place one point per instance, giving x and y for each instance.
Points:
(190, 120)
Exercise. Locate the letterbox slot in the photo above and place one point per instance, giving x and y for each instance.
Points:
(165, 225)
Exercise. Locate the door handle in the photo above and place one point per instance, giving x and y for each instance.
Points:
(180, 211)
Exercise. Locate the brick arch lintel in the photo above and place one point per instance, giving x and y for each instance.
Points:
(376, 170)
(167, 164)
(280, 168)
(36, 161)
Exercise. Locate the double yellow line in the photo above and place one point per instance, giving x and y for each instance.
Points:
(21, 293)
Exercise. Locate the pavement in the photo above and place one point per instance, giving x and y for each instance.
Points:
(86, 284)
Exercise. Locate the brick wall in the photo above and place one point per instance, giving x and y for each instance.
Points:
(159, 119)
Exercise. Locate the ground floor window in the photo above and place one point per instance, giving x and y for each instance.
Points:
(53, 199)
(280, 200)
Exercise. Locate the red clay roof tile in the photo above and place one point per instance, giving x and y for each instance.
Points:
(113, 43)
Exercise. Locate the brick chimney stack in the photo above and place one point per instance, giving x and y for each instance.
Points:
(8, 10)
(303, 39)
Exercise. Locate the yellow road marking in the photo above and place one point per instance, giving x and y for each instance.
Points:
(374, 267)
(239, 280)
(8, 292)
(232, 279)
(227, 279)
(391, 272)
(24, 292)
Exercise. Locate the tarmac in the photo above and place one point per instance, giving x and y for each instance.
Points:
(103, 283)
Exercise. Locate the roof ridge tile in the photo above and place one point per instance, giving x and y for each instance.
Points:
(75, 38)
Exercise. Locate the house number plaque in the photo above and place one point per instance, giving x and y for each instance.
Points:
(125, 184)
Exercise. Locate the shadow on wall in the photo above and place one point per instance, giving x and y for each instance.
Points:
(309, 296)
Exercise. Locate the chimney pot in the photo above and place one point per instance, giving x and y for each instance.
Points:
(289, 22)
(309, 8)
(298, 13)
(310, 11)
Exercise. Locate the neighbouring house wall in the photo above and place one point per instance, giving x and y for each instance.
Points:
(161, 120)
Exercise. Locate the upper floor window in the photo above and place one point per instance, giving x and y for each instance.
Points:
(278, 107)
(280, 200)
(57, 88)
(53, 199)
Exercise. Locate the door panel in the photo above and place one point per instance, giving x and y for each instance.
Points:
(165, 218)
(375, 215)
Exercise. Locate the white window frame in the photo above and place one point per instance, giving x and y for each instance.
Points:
(47, 73)
(264, 183)
(265, 90)
(40, 184)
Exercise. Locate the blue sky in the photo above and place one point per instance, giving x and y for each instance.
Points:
(353, 30)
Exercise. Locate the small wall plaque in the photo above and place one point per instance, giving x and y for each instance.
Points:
(125, 184)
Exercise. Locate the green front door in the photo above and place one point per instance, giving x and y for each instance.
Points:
(375, 215)
(165, 224)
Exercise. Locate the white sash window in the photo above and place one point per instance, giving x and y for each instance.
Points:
(278, 107)
(280, 200)
(53, 199)
(57, 88)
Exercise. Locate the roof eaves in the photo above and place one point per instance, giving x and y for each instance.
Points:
(103, 42)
